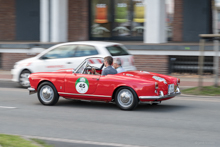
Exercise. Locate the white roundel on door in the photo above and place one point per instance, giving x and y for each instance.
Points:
(82, 85)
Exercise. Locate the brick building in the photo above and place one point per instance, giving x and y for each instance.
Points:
(148, 21)
(71, 20)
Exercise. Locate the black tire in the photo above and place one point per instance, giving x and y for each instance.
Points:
(23, 79)
(124, 103)
(47, 94)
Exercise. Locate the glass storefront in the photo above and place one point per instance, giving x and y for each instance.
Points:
(121, 19)
(101, 18)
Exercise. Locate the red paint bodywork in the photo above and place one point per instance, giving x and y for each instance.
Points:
(102, 88)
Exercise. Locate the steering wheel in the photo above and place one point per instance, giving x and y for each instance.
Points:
(86, 70)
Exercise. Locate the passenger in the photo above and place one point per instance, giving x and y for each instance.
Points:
(109, 69)
(117, 65)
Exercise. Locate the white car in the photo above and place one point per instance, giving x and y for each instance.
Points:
(69, 55)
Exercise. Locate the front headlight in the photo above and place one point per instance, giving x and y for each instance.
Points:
(16, 65)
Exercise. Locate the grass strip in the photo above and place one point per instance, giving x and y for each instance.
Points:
(14, 141)
(206, 90)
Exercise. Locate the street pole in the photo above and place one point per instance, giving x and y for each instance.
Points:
(201, 60)
(216, 43)
(216, 38)
(216, 62)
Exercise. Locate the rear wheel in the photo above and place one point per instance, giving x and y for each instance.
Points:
(126, 98)
(47, 94)
(23, 78)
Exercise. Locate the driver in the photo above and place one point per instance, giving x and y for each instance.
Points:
(109, 69)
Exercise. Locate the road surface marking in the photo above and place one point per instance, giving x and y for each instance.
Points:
(82, 141)
(6, 107)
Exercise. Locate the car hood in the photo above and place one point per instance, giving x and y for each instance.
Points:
(154, 77)
(26, 60)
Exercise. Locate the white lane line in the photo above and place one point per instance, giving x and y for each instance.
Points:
(6, 107)
(82, 141)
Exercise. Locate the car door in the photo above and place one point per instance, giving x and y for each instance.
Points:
(81, 84)
(61, 57)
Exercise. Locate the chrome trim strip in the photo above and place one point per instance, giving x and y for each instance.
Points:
(84, 94)
(31, 90)
(161, 96)
(150, 97)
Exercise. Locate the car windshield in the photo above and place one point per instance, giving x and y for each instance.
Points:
(117, 50)
(90, 63)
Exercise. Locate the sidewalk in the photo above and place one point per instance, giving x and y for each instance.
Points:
(5, 75)
(186, 80)
(189, 81)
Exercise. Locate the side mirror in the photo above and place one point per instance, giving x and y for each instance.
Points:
(43, 58)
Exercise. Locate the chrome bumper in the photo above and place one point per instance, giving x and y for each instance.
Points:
(161, 96)
(31, 90)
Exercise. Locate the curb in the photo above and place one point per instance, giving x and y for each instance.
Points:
(33, 142)
(87, 142)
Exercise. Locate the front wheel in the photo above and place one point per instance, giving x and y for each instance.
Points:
(47, 94)
(23, 78)
(126, 98)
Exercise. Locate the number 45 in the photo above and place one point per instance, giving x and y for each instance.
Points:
(82, 85)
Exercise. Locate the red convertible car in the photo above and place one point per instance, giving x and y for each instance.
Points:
(126, 89)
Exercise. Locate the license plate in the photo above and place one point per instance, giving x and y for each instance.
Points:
(171, 89)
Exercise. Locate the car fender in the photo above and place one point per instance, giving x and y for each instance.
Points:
(139, 89)
(119, 86)
(37, 78)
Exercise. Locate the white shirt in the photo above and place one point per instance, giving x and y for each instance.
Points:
(120, 69)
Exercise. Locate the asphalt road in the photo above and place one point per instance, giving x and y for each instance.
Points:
(182, 121)
(9, 84)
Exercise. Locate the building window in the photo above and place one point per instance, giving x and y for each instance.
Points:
(101, 18)
(129, 18)
(122, 19)
(138, 18)
(169, 19)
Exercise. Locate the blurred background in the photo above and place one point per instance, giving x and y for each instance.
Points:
(162, 35)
